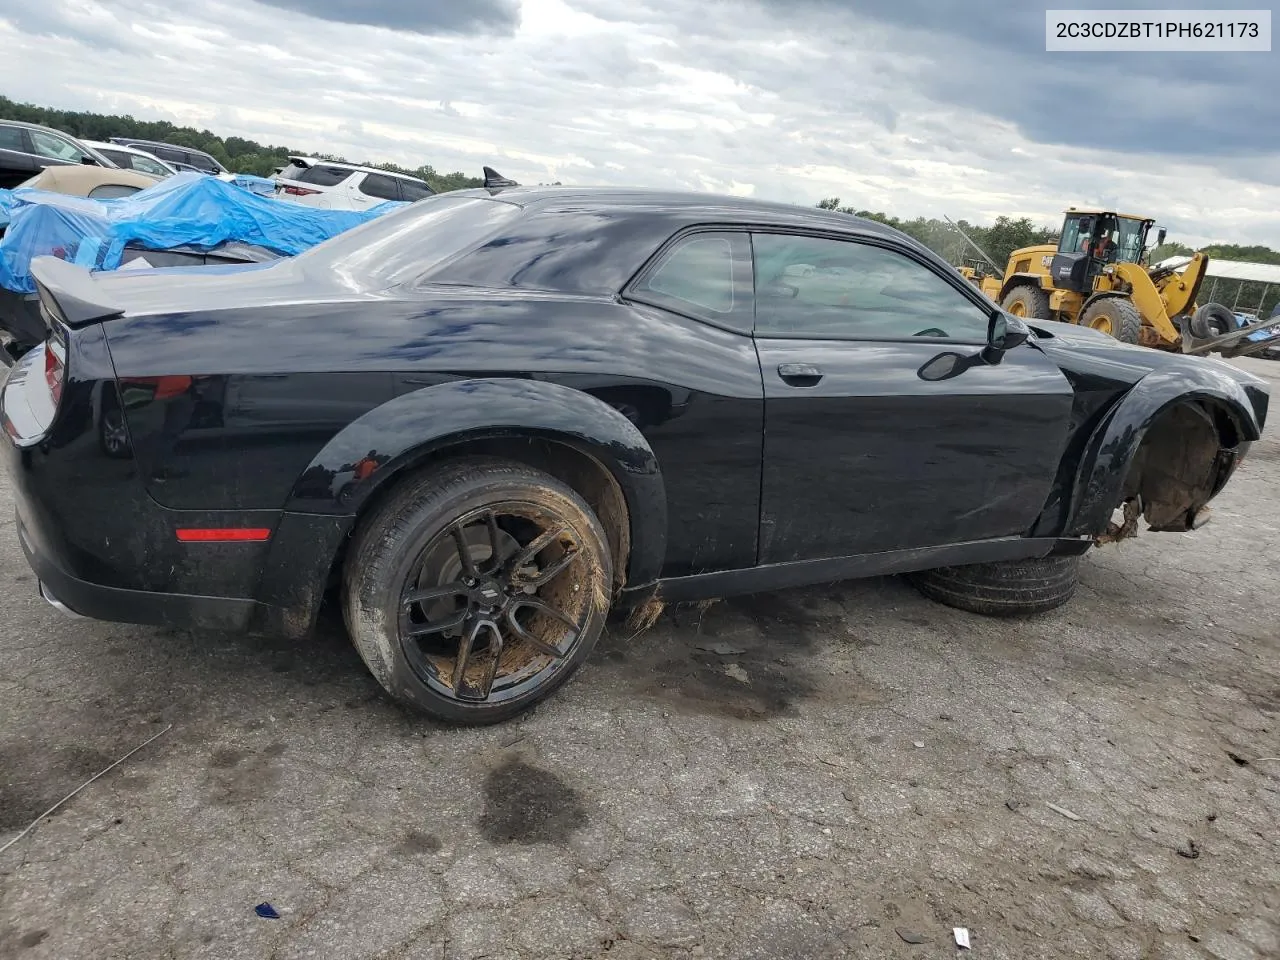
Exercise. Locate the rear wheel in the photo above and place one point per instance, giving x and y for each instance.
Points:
(1027, 301)
(1009, 588)
(1116, 316)
(477, 589)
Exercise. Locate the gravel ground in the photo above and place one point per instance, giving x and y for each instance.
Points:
(812, 773)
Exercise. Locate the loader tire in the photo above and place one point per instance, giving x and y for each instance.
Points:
(1010, 588)
(1212, 320)
(1027, 301)
(1116, 316)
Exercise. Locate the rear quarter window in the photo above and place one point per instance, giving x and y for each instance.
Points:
(324, 176)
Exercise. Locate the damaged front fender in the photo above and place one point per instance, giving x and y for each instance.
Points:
(1166, 450)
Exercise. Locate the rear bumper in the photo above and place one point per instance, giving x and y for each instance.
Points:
(98, 602)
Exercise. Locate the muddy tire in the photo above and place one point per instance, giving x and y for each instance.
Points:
(477, 589)
(1007, 589)
(1212, 320)
(1116, 316)
(1027, 301)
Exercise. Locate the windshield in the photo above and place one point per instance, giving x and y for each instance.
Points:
(402, 247)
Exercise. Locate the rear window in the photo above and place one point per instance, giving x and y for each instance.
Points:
(292, 171)
(323, 176)
(405, 246)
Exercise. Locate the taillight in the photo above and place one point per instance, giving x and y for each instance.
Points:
(55, 360)
(299, 191)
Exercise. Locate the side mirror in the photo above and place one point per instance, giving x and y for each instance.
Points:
(1160, 237)
(88, 161)
(1004, 332)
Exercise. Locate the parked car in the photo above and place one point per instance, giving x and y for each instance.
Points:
(178, 157)
(96, 183)
(133, 158)
(344, 186)
(427, 412)
(28, 148)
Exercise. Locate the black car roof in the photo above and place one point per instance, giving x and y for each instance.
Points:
(705, 206)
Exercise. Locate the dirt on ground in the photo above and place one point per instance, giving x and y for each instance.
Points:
(839, 771)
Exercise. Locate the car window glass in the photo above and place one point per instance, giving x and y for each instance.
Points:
(147, 165)
(109, 191)
(47, 145)
(697, 273)
(376, 185)
(168, 153)
(11, 139)
(844, 290)
(324, 176)
(411, 190)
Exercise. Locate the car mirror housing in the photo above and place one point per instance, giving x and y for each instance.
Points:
(1004, 332)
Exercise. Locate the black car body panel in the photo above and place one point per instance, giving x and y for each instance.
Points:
(288, 397)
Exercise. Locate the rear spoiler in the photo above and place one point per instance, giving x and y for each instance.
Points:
(69, 293)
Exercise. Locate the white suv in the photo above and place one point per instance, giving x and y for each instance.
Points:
(344, 186)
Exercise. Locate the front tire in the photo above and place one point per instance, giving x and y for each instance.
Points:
(477, 589)
(1116, 316)
(1026, 301)
(1006, 589)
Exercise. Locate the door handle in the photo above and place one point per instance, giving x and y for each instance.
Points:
(799, 374)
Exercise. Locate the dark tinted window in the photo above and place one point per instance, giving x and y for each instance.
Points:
(411, 190)
(118, 157)
(324, 176)
(11, 139)
(376, 185)
(109, 191)
(705, 275)
(404, 246)
(168, 153)
(842, 290)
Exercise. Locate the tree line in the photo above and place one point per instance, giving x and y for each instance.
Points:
(1006, 235)
(235, 153)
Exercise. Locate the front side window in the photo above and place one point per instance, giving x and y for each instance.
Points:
(814, 287)
(705, 275)
(147, 165)
(47, 145)
(411, 190)
(376, 185)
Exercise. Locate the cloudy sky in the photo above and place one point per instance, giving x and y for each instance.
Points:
(906, 106)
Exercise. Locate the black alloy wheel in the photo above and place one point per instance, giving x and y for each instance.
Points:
(478, 589)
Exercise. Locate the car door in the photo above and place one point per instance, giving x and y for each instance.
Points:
(866, 448)
(376, 188)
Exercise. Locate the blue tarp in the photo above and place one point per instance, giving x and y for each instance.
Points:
(187, 210)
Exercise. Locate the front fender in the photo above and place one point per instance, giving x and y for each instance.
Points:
(1110, 453)
(378, 446)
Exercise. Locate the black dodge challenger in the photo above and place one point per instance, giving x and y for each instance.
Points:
(495, 415)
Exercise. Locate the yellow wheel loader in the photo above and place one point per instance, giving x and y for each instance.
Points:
(1097, 276)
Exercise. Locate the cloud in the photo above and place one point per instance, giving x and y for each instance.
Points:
(420, 16)
(905, 107)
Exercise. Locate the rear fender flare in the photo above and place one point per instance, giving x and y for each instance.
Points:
(381, 445)
(1110, 453)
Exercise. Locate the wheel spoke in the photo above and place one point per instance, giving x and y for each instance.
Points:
(464, 551)
(435, 593)
(545, 608)
(495, 549)
(460, 687)
(539, 543)
(436, 626)
(546, 576)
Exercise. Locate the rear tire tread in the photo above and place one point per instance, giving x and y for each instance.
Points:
(1010, 588)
